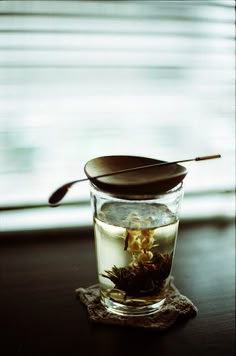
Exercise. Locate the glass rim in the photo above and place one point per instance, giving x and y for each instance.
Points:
(140, 197)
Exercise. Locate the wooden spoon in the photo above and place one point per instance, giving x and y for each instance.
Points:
(116, 174)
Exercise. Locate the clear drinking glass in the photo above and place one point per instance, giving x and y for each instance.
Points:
(135, 239)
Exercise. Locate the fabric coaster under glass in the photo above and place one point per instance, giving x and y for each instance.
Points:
(176, 308)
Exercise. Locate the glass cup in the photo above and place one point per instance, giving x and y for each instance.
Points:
(135, 239)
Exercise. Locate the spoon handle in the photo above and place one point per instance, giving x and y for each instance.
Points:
(207, 157)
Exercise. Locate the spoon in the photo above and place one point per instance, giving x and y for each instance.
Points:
(59, 194)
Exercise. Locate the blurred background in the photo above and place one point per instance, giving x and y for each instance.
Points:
(81, 79)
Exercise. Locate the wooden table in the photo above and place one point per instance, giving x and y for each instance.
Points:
(39, 314)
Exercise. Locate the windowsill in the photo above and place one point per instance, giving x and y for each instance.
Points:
(217, 207)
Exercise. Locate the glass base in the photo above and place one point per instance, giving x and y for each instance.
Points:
(128, 310)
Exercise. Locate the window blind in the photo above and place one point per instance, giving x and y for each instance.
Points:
(92, 78)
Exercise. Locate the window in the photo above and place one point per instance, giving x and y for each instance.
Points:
(92, 78)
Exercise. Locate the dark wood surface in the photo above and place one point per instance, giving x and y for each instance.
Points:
(39, 314)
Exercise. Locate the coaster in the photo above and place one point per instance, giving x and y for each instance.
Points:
(177, 307)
